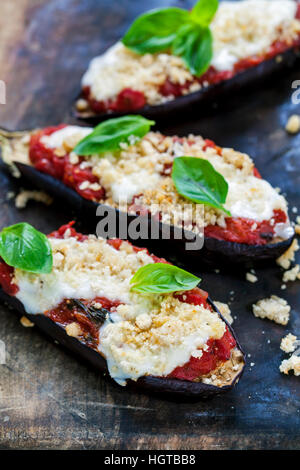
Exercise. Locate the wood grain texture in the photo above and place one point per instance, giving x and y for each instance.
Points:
(48, 399)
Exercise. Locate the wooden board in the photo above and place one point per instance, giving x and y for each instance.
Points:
(48, 399)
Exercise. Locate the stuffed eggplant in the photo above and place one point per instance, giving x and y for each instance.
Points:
(121, 308)
(170, 58)
(242, 216)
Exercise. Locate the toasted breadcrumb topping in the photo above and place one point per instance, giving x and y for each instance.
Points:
(145, 333)
(158, 342)
(139, 171)
(273, 308)
(139, 176)
(240, 30)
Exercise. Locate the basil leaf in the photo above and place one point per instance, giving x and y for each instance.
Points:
(204, 11)
(195, 45)
(108, 135)
(155, 30)
(24, 247)
(161, 277)
(197, 180)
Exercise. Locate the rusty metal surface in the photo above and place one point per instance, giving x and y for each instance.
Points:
(48, 399)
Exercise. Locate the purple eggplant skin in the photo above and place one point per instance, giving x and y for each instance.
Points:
(155, 385)
(200, 100)
(214, 252)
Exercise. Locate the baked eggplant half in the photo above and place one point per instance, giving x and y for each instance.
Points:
(124, 310)
(180, 182)
(171, 59)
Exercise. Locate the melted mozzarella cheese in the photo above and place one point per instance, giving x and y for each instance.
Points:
(106, 67)
(126, 187)
(284, 230)
(248, 197)
(150, 334)
(177, 332)
(253, 198)
(85, 270)
(242, 29)
(57, 139)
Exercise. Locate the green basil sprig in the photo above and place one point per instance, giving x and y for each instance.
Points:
(155, 30)
(24, 247)
(162, 278)
(108, 135)
(204, 11)
(194, 45)
(185, 34)
(197, 180)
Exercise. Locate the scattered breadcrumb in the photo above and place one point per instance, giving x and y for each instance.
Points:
(297, 226)
(251, 277)
(73, 329)
(288, 343)
(292, 274)
(225, 311)
(288, 256)
(26, 322)
(273, 308)
(293, 363)
(24, 196)
(10, 195)
(293, 124)
(82, 105)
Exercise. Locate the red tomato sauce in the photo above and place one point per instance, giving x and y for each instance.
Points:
(6, 278)
(66, 313)
(195, 297)
(246, 230)
(45, 160)
(60, 233)
(127, 100)
(218, 351)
